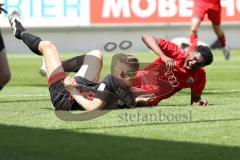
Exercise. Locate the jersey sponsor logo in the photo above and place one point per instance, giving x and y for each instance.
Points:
(171, 78)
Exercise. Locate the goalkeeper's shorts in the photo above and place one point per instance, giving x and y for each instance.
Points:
(60, 97)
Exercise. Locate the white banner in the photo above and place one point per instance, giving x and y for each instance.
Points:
(130, 12)
(48, 13)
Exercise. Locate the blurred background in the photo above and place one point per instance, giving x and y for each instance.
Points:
(82, 25)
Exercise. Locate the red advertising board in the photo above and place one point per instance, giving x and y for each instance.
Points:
(127, 12)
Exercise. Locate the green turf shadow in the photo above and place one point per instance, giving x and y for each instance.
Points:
(24, 100)
(23, 143)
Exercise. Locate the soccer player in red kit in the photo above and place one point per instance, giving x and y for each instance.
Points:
(213, 9)
(174, 70)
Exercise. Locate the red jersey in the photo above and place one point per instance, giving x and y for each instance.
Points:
(155, 79)
(208, 1)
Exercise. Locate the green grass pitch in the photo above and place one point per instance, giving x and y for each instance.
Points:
(30, 129)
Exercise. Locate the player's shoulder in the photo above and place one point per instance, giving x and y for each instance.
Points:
(201, 72)
(164, 41)
(114, 82)
(199, 77)
(169, 46)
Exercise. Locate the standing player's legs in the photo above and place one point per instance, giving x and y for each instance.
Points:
(215, 17)
(220, 34)
(193, 37)
(5, 74)
(199, 12)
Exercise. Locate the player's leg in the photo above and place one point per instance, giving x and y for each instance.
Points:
(51, 58)
(92, 66)
(220, 34)
(69, 65)
(73, 64)
(86, 79)
(37, 46)
(199, 12)
(215, 17)
(193, 37)
(5, 74)
(60, 97)
(221, 37)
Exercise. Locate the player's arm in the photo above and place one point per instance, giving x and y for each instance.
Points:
(196, 100)
(152, 43)
(144, 100)
(95, 104)
(142, 97)
(88, 105)
(197, 89)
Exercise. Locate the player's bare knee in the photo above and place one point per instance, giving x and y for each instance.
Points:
(95, 53)
(43, 45)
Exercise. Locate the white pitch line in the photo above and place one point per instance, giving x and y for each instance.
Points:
(46, 95)
(217, 91)
(26, 95)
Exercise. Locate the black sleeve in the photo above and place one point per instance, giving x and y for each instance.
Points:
(115, 86)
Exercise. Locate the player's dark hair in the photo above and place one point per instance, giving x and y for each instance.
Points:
(206, 54)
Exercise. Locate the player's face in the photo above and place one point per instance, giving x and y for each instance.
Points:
(194, 62)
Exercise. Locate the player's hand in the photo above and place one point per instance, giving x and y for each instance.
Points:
(170, 63)
(143, 100)
(2, 9)
(201, 103)
(70, 84)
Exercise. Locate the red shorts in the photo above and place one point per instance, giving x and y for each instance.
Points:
(213, 10)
